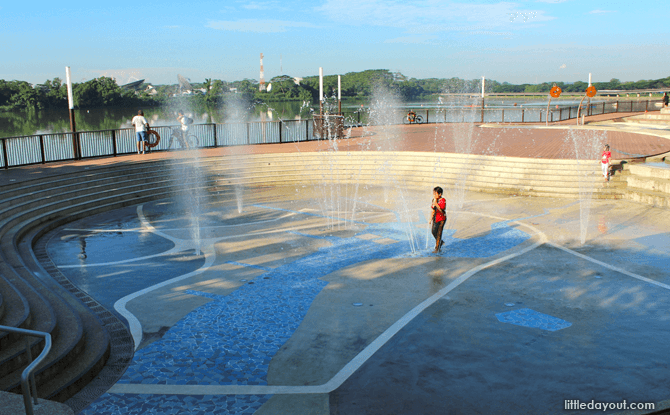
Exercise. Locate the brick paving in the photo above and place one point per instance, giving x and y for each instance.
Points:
(523, 140)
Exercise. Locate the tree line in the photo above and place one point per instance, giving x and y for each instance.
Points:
(105, 92)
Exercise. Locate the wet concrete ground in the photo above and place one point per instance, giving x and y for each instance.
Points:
(305, 303)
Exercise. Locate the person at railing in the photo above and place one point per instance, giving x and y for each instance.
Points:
(665, 99)
(141, 126)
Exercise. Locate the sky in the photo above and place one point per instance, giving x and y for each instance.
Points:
(528, 41)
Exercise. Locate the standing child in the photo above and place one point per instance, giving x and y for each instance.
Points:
(438, 217)
(605, 162)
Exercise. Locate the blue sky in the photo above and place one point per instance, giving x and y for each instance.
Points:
(514, 41)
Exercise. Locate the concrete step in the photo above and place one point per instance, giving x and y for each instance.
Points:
(648, 197)
(657, 171)
(648, 183)
(12, 404)
(17, 312)
(42, 318)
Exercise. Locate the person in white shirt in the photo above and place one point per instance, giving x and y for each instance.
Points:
(141, 127)
(182, 119)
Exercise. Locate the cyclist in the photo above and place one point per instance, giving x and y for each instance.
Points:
(184, 121)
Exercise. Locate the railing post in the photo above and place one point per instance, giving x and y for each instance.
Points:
(560, 114)
(427, 116)
(215, 139)
(248, 138)
(523, 114)
(503, 115)
(4, 153)
(42, 149)
(280, 128)
(114, 142)
(617, 105)
(307, 126)
(603, 107)
(31, 379)
(78, 139)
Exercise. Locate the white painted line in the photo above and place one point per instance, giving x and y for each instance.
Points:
(612, 267)
(120, 306)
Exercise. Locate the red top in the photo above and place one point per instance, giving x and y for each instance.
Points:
(607, 155)
(439, 216)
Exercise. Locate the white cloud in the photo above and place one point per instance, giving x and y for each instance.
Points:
(257, 26)
(428, 16)
(563, 66)
(411, 39)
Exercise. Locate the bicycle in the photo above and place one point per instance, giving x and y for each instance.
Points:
(412, 118)
(186, 141)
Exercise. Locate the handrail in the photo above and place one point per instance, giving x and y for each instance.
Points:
(27, 372)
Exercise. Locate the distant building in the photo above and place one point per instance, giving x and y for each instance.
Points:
(133, 85)
(150, 90)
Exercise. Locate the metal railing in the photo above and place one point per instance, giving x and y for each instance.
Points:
(27, 374)
(44, 148)
(513, 114)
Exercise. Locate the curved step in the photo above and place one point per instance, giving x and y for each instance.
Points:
(17, 313)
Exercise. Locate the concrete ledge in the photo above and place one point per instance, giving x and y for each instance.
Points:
(12, 404)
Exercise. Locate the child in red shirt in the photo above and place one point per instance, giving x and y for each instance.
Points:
(605, 162)
(438, 217)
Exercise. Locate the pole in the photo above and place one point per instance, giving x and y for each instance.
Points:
(73, 124)
(588, 111)
(339, 94)
(321, 90)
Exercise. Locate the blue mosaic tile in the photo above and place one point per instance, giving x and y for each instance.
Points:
(127, 404)
(249, 265)
(530, 318)
(232, 339)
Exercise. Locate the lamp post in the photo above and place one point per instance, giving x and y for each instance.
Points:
(339, 94)
(321, 90)
(73, 124)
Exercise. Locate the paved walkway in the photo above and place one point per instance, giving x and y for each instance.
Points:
(530, 141)
(329, 301)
